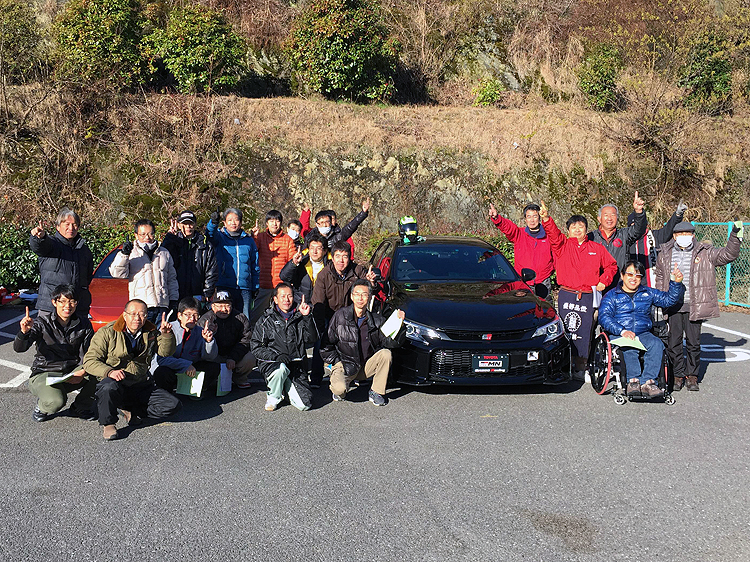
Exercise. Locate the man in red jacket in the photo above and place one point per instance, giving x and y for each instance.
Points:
(531, 246)
(582, 266)
(275, 249)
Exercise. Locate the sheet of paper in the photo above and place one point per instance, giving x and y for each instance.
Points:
(627, 342)
(224, 384)
(55, 380)
(392, 325)
(597, 296)
(190, 386)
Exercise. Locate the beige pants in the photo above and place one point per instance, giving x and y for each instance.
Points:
(376, 367)
(241, 369)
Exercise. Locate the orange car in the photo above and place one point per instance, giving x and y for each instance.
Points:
(108, 295)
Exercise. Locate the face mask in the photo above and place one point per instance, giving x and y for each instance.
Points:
(684, 240)
(293, 234)
(148, 246)
(324, 230)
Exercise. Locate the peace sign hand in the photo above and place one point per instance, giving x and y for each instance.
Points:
(297, 257)
(173, 226)
(371, 276)
(26, 322)
(255, 229)
(304, 308)
(166, 327)
(38, 231)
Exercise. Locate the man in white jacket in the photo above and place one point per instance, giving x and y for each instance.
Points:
(149, 269)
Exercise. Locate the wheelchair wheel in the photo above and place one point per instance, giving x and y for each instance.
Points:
(601, 363)
(619, 399)
(669, 400)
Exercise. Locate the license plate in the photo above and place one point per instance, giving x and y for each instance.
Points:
(490, 363)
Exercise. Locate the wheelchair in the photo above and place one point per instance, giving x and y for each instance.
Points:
(607, 372)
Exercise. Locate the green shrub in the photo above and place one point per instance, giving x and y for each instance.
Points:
(18, 264)
(340, 48)
(597, 77)
(19, 40)
(199, 48)
(489, 92)
(100, 40)
(708, 73)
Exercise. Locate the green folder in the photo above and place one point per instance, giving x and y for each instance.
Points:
(627, 342)
(190, 386)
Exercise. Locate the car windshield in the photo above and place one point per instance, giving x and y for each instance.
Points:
(102, 272)
(447, 262)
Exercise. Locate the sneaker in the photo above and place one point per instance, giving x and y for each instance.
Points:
(634, 388)
(678, 382)
(651, 390)
(691, 383)
(377, 399)
(109, 433)
(337, 398)
(271, 403)
(38, 416)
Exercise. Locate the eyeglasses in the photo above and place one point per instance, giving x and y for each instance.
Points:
(63, 302)
(629, 274)
(141, 315)
(361, 294)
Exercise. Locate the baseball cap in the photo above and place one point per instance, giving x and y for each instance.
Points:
(221, 296)
(187, 216)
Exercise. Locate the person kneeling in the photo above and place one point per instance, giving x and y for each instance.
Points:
(278, 343)
(626, 311)
(61, 338)
(120, 356)
(196, 350)
(357, 348)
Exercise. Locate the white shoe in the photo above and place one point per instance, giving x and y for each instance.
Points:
(271, 403)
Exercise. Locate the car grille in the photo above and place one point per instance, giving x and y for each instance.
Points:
(496, 336)
(457, 363)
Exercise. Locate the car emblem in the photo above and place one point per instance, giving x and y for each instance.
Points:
(486, 336)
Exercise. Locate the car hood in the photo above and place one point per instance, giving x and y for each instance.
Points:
(478, 306)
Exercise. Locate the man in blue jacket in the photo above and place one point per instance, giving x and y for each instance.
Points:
(626, 311)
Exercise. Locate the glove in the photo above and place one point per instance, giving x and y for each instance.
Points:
(127, 247)
(681, 208)
(738, 228)
(216, 216)
(285, 359)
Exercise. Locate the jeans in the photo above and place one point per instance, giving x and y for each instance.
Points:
(652, 358)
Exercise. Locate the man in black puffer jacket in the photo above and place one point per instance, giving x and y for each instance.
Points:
(357, 347)
(279, 343)
(194, 257)
(64, 258)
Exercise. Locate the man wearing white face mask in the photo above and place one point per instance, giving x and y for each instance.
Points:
(149, 269)
(698, 262)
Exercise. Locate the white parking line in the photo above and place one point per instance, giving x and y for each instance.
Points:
(19, 379)
(16, 320)
(713, 327)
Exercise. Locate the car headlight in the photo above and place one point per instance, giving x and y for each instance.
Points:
(550, 331)
(421, 333)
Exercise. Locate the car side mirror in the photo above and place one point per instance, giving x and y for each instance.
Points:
(528, 274)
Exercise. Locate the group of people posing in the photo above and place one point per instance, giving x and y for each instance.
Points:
(658, 285)
(266, 299)
(243, 301)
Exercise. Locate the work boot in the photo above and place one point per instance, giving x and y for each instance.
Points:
(691, 383)
(109, 432)
(634, 388)
(678, 382)
(130, 417)
(651, 390)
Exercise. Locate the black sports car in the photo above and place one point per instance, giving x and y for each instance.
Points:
(470, 318)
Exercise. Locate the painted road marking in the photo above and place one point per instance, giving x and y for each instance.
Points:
(16, 320)
(713, 327)
(19, 379)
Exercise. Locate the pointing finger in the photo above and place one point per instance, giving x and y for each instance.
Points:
(27, 312)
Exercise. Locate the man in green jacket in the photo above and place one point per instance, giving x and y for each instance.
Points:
(120, 357)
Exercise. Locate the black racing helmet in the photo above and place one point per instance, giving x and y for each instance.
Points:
(407, 229)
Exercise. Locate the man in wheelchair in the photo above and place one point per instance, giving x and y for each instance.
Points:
(626, 311)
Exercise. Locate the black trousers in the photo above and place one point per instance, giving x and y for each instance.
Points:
(166, 378)
(143, 399)
(679, 324)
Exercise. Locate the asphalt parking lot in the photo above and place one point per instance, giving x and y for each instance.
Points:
(439, 474)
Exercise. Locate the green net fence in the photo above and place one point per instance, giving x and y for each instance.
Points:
(733, 280)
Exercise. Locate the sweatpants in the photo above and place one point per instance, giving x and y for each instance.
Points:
(281, 382)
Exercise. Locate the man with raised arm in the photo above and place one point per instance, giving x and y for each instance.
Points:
(64, 259)
(120, 356)
(61, 339)
(531, 246)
